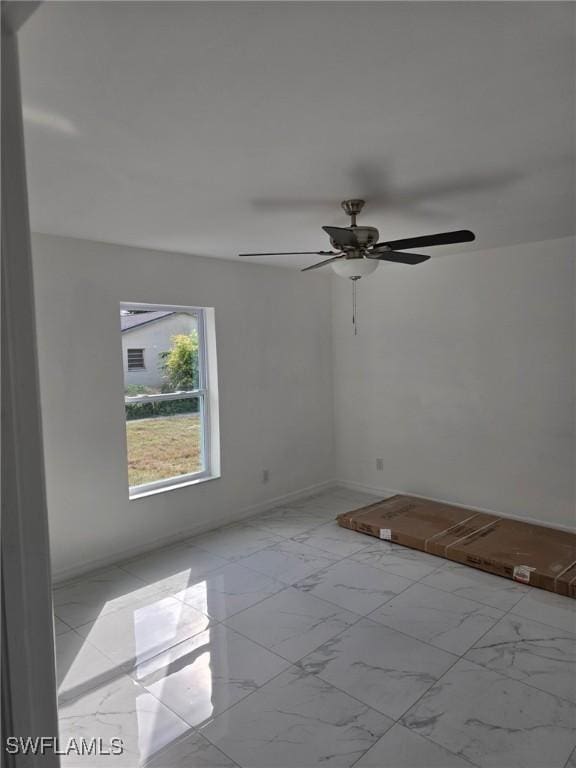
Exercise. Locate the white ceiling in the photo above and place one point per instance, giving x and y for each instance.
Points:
(214, 128)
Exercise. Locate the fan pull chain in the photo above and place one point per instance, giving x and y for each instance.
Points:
(354, 306)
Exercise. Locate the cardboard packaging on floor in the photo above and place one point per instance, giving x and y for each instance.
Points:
(525, 552)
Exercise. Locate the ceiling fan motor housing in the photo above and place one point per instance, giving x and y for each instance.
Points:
(365, 237)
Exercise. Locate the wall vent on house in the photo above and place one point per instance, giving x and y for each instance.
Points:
(136, 359)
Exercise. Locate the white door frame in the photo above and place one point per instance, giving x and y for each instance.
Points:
(28, 670)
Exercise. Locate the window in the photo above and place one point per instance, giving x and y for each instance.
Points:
(136, 360)
(169, 404)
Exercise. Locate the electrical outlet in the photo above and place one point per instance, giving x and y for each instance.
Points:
(265, 476)
(380, 465)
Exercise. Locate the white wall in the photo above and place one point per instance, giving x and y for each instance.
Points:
(462, 380)
(275, 372)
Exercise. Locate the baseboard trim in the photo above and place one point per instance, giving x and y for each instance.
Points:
(74, 572)
(385, 492)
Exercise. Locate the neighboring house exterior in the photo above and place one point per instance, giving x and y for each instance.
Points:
(144, 337)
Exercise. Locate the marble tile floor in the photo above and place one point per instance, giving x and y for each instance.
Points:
(285, 641)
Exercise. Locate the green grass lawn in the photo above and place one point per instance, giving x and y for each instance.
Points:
(163, 447)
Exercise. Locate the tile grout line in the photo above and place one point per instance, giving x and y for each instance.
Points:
(68, 627)
(516, 680)
(434, 743)
(570, 756)
(193, 732)
(192, 729)
(510, 612)
(290, 661)
(283, 586)
(200, 729)
(462, 658)
(197, 729)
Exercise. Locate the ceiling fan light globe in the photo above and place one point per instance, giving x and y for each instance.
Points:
(355, 268)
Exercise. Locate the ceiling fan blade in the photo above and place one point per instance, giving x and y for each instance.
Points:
(425, 241)
(321, 263)
(290, 253)
(400, 258)
(342, 236)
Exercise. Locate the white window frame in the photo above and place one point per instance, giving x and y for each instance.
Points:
(206, 394)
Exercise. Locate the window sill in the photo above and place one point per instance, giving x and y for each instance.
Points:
(140, 494)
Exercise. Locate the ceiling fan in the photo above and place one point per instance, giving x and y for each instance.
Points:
(357, 250)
